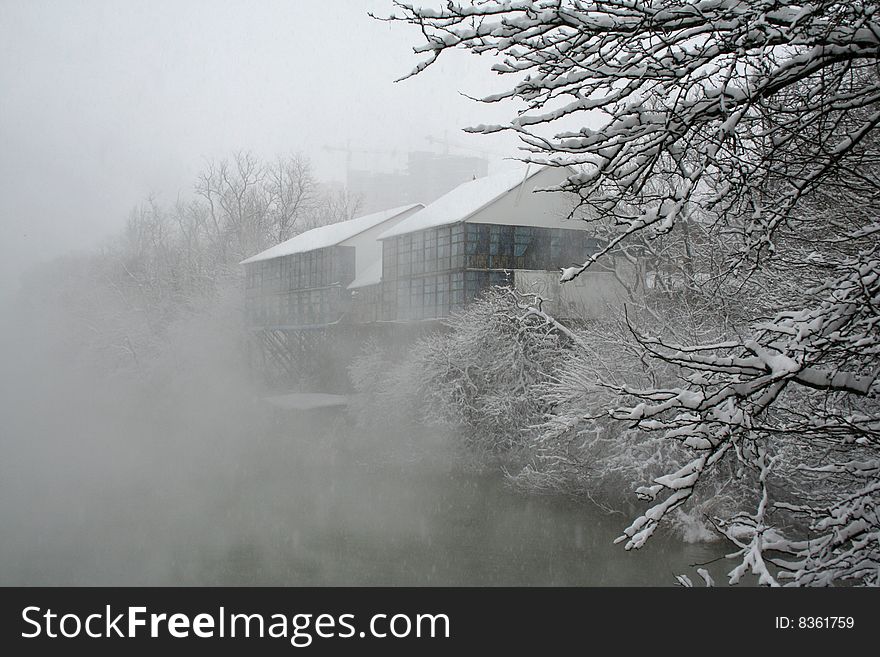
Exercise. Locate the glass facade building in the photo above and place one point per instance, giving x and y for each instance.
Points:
(302, 289)
(425, 274)
(430, 273)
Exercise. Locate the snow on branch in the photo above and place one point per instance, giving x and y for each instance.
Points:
(729, 151)
(711, 95)
(832, 347)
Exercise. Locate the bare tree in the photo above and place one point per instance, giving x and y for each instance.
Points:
(291, 195)
(180, 258)
(334, 206)
(251, 204)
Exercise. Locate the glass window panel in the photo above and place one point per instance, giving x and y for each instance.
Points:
(494, 239)
(476, 242)
(479, 261)
(506, 246)
(555, 244)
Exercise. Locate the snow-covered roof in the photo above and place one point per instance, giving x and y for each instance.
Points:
(462, 202)
(369, 276)
(324, 236)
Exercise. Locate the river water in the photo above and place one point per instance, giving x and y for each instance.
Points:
(294, 500)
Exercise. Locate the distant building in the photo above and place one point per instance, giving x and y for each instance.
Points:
(427, 177)
(303, 282)
(431, 175)
(379, 189)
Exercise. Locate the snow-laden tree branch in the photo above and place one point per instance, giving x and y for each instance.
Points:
(729, 150)
(717, 98)
(831, 347)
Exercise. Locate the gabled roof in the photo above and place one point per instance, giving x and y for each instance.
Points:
(463, 202)
(324, 236)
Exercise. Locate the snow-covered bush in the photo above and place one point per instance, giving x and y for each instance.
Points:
(388, 387)
(477, 376)
(482, 374)
(580, 448)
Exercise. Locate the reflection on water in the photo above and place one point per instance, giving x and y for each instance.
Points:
(283, 503)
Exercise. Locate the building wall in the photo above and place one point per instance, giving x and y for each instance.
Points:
(430, 273)
(366, 304)
(311, 288)
(367, 249)
(522, 238)
(523, 206)
(302, 289)
(592, 295)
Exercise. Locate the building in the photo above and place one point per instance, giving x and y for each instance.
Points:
(492, 231)
(313, 300)
(304, 282)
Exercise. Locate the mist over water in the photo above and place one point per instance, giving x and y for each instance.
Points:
(185, 475)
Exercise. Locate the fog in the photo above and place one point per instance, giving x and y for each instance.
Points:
(137, 445)
(184, 475)
(104, 103)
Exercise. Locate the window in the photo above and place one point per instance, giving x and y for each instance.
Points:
(498, 278)
(274, 268)
(472, 239)
(416, 289)
(389, 259)
(321, 268)
(522, 239)
(443, 248)
(416, 256)
(430, 252)
(442, 296)
(429, 297)
(403, 298)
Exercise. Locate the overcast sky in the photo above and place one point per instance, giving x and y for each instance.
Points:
(105, 102)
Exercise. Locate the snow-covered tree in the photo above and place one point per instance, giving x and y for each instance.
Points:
(482, 373)
(755, 120)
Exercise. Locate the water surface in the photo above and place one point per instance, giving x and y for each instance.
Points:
(101, 497)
